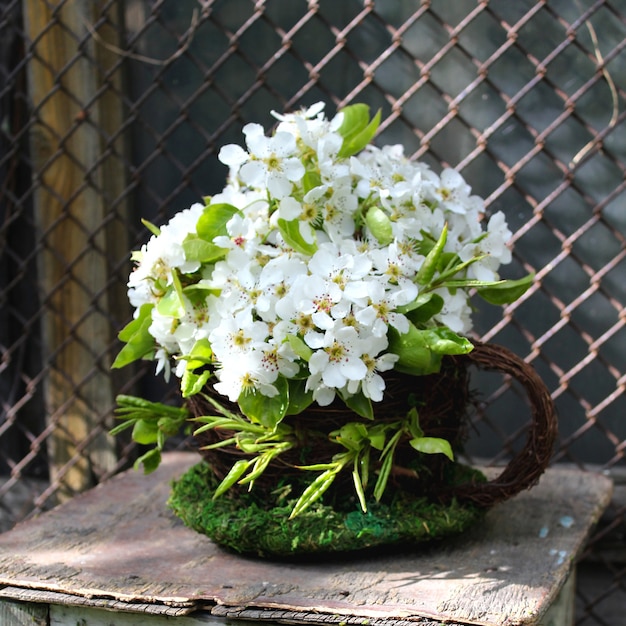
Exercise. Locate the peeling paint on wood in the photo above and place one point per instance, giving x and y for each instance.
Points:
(118, 545)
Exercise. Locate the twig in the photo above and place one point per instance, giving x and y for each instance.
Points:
(614, 96)
(189, 35)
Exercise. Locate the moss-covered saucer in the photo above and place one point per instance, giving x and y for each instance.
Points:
(253, 523)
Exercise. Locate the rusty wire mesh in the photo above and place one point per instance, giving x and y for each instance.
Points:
(112, 111)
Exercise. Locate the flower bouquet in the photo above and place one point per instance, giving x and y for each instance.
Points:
(316, 314)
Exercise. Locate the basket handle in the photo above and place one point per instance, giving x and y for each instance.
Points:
(525, 468)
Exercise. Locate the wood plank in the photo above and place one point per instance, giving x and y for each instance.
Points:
(76, 176)
(20, 614)
(73, 616)
(56, 598)
(562, 611)
(119, 543)
(83, 616)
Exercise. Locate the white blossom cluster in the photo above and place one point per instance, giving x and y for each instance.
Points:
(320, 258)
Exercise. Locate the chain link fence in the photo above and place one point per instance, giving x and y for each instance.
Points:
(113, 111)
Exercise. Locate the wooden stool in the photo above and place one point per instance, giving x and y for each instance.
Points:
(117, 556)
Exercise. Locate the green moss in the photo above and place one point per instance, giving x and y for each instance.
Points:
(259, 524)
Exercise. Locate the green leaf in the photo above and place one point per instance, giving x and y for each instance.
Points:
(169, 426)
(442, 340)
(358, 486)
(362, 464)
(236, 423)
(139, 342)
(413, 424)
(420, 350)
(212, 223)
(192, 383)
(318, 467)
(145, 432)
(130, 405)
(352, 436)
(290, 230)
(231, 441)
(415, 356)
(506, 291)
(377, 435)
(201, 354)
(263, 460)
(432, 445)
(383, 477)
(310, 180)
(299, 347)
(423, 308)
(455, 266)
(356, 129)
(359, 404)
(260, 465)
(155, 230)
(379, 225)
(355, 118)
(299, 398)
(222, 410)
(116, 430)
(198, 249)
(431, 262)
(389, 449)
(170, 304)
(129, 331)
(150, 461)
(235, 473)
(265, 410)
(315, 490)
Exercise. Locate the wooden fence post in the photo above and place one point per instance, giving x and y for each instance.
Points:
(78, 173)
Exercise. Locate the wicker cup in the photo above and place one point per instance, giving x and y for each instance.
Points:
(442, 402)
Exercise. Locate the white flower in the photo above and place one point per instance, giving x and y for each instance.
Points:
(275, 282)
(183, 223)
(321, 393)
(163, 364)
(492, 247)
(288, 119)
(454, 193)
(241, 234)
(337, 205)
(237, 335)
(339, 358)
(381, 312)
(345, 268)
(161, 256)
(320, 298)
(320, 258)
(306, 213)
(456, 312)
(373, 384)
(237, 278)
(234, 156)
(243, 375)
(279, 358)
(394, 266)
(272, 161)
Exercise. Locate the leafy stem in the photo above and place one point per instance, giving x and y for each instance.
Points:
(264, 441)
(359, 440)
(152, 424)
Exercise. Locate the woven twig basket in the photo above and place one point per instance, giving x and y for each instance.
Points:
(442, 401)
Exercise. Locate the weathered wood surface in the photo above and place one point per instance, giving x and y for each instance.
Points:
(77, 153)
(118, 543)
(81, 616)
